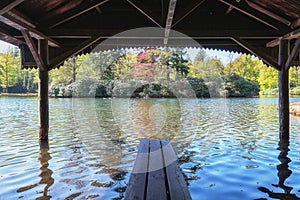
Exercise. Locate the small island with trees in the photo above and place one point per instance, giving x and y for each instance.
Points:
(149, 71)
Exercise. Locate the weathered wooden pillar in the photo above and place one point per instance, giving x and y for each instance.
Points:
(283, 86)
(43, 100)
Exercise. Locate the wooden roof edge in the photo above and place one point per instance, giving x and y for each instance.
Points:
(262, 55)
(55, 62)
(292, 35)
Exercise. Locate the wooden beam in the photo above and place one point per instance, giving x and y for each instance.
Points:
(19, 25)
(266, 58)
(193, 6)
(107, 33)
(248, 12)
(293, 54)
(268, 13)
(43, 105)
(8, 37)
(230, 8)
(177, 185)
(292, 35)
(169, 20)
(6, 5)
(296, 24)
(22, 18)
(138, 177)
(60, 59)
(157, 188)
(144, 13)
(76, 12)
(43, 99)
(164, 9)
(283, 87)
(34, 51)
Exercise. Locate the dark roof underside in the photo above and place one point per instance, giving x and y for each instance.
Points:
(77, 26)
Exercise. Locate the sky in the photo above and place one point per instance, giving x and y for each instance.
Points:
(4, 46)
(224, 56)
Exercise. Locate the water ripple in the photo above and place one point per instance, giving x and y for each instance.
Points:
(227, 148)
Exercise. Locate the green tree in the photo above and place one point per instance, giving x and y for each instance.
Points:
(196, 69)
(27, 80)
(9, 64)
(237, 86)
(123, 65)
(268, 78)
(69, 72)
(245, 66)
(209, 69)
(178, 62)
(101, 62)
(293, 76)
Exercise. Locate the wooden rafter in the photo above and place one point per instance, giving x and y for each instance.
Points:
(292, 35)
(10, 39)
(144, 12)
(251, 13)
(76, 12)
(296, 23)
(21, 17)
(230, 8)
(268, 13)
(169, 20)
(164, 9)
(33, 49)
(19, 25)
(7, 36)
(86, 33)
(6, 5)
(187, 11)
(293, 54)
(60, 59)
(266, 58)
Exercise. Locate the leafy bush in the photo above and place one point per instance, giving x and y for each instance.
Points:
(101, 90)
(237, 86)
(199, 87)
(295, 91)
(268, 92)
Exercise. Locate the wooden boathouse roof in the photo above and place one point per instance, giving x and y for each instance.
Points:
(76, 26)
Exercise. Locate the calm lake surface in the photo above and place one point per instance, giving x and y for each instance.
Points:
(227, 148)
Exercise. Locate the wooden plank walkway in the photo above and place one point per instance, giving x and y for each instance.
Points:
(156, 174)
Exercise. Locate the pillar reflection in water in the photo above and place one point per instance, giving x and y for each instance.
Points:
(283, 174)
(46, 173)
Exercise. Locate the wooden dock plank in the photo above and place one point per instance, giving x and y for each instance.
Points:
(156, 174)
(156, 177)
(176, 183)
(136, 188)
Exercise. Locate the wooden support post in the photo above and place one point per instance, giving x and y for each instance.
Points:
(283, 86)
(43, 92)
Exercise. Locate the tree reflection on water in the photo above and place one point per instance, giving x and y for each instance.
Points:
(283, 174)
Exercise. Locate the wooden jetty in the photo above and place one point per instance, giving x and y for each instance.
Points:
(156, 174)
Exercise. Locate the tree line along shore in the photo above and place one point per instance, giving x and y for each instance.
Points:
(152, 72)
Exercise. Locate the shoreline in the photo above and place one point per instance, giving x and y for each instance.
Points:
(66, 97)
(18, 94)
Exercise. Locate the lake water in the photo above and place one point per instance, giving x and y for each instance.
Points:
(227, 148)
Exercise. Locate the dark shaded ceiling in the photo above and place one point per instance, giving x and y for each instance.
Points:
(77, 26)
